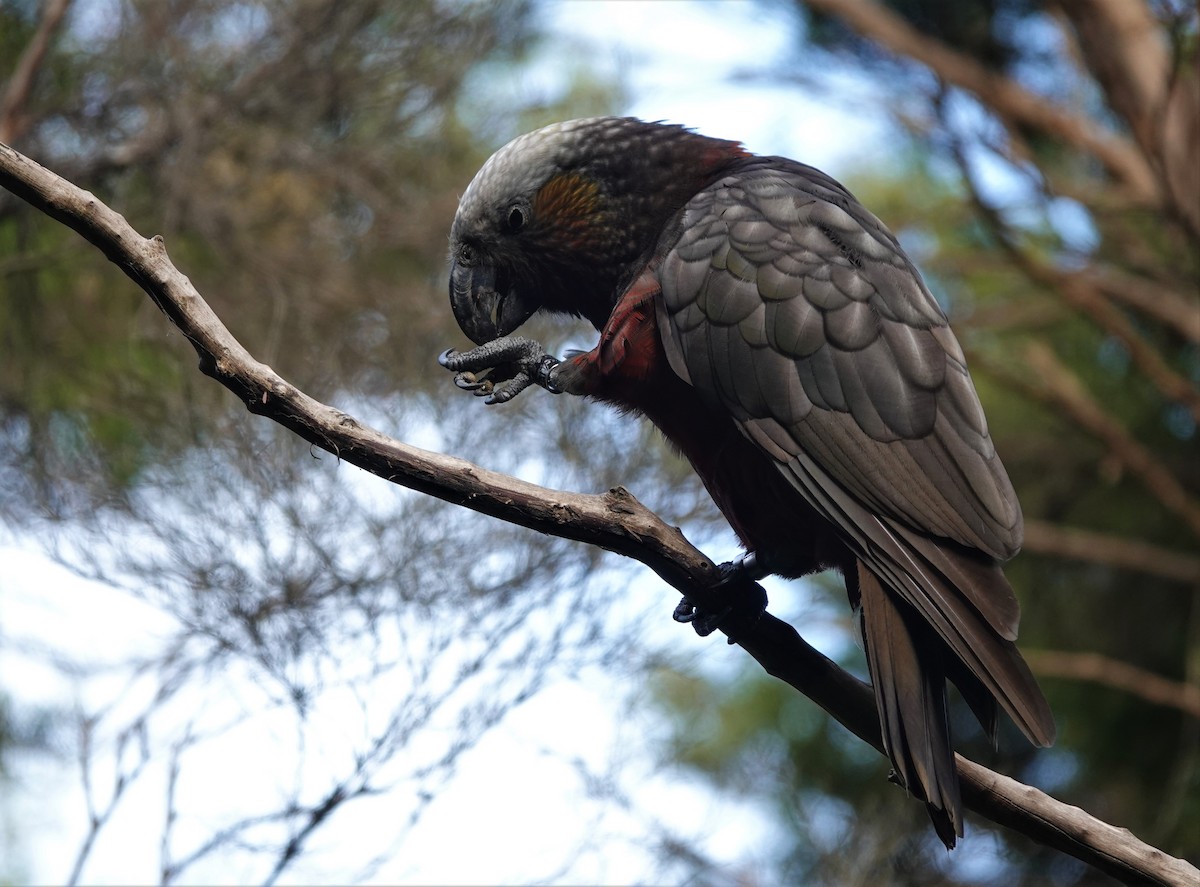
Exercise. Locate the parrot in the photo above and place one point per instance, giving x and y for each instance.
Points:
(781, 340)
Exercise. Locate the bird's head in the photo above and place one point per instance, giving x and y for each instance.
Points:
(559, 218)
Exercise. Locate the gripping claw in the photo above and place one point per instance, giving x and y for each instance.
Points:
(470, 382)
(742, 600)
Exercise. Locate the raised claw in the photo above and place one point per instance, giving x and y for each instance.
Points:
(510, 349)
(501, 369)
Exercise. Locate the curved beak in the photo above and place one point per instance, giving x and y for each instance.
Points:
(484, 304)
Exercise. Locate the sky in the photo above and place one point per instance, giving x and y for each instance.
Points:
(517, 808)
(695, 63)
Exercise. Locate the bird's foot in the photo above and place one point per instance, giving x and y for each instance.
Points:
(743, 600)
(501, 369)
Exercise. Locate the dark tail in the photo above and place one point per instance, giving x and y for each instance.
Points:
(910, 658)
(909, 677)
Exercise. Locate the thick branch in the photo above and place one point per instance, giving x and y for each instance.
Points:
(1123, 46)
(615, 521)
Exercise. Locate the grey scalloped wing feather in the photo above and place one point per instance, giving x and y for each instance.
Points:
(790, 304)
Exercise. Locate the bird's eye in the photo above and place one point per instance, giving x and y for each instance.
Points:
(516, 219)
(467, 255)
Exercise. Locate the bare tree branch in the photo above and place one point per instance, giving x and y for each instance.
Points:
(100, 814)
(1091, 294)
(1114, 551)
(1013, 103)
(1081, 292)
(615, 521)
(16, 93)
(1057, 384)
(1123, 47)
(1053, 383)
(1126, 49)
(1118, 675)
(1164, 304)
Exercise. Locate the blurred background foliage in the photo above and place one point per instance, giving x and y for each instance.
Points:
(303, 159)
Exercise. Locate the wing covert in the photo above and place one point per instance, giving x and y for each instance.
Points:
(787, 301)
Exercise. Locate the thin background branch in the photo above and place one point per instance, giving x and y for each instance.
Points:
(20, 84)
(1118, 675)
(1017, 105)
(1043, 537)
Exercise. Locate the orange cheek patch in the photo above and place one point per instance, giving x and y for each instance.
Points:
(566, 203)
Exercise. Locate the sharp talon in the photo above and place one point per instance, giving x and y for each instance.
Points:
(444, 358)
(507, 390)
(703, 623)
(684, 612)
(495, 396)
(469, 382)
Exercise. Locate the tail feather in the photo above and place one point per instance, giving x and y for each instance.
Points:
(981, 702)
(932, 609)
(908, 675)
(949, 587)
(986, 655)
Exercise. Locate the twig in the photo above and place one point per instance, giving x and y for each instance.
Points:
(124, 776)
(1083, 293)
(614, 520)
(1162, 303)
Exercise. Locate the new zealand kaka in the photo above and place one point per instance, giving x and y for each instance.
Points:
(776, 333)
